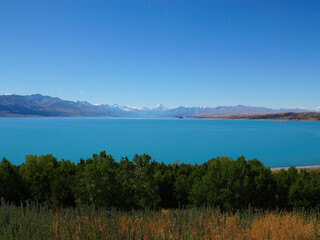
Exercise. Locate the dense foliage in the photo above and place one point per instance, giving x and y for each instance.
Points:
(143, 183)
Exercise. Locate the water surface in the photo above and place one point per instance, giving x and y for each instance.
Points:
(275, 143)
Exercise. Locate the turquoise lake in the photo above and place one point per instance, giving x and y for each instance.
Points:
(275, 143)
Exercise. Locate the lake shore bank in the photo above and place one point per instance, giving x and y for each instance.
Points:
(306, 167)
(286, 116)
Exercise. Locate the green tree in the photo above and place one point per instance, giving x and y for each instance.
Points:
(211, 188)
(164, 177)
(144, 187)
(61, 184)
(264, 191)
(234, 185)
(11, 185)
(284, 179)
(125, 179)
(305, 191)
(38, 173)
(96, 184)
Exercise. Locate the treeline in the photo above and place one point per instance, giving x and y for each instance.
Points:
(143, 183)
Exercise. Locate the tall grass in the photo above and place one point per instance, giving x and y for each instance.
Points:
(34, 221)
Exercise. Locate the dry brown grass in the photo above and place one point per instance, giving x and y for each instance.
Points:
(208, 224)
(284, 226)
(266, 226)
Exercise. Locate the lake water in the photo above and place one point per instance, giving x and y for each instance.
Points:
(275, 143)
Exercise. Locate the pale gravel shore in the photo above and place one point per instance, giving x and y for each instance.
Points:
(310, 167)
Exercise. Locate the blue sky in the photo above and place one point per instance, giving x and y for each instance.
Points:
(191, 53)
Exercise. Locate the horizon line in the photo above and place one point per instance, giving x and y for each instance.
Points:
(164, 105)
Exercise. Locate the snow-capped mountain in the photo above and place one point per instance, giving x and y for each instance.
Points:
(129, 111)
(39, 105)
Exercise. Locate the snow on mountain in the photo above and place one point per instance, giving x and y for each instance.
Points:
(39, 105)
(160, 107)
(317, 109)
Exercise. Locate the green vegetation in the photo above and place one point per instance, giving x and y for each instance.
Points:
(37, 222)
(141, 183)
(100, 198)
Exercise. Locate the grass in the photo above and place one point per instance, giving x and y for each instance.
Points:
(38, 222)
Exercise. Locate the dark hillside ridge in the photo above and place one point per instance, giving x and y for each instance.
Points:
(286, 116)
(38, 105)
(16, 105)
(45, 106)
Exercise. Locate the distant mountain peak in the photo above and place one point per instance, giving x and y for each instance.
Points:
(37, 95)
(40, 105)
(161, 107)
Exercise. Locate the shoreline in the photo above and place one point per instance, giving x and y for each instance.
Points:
(284, 116)
(250, 119)
(305, 167)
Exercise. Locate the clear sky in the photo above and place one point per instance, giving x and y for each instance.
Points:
(144, 52)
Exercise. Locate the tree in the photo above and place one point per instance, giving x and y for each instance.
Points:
(164, 177)
(264, 191)
(96, 184)
(38, 173)
(11, 185)
(144, 187)
(284, 179)
(305, 191)
(61, 184)
(211, 188)
(234, 185)
(125, 178)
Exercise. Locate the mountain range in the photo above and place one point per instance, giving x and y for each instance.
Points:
(37, 105)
